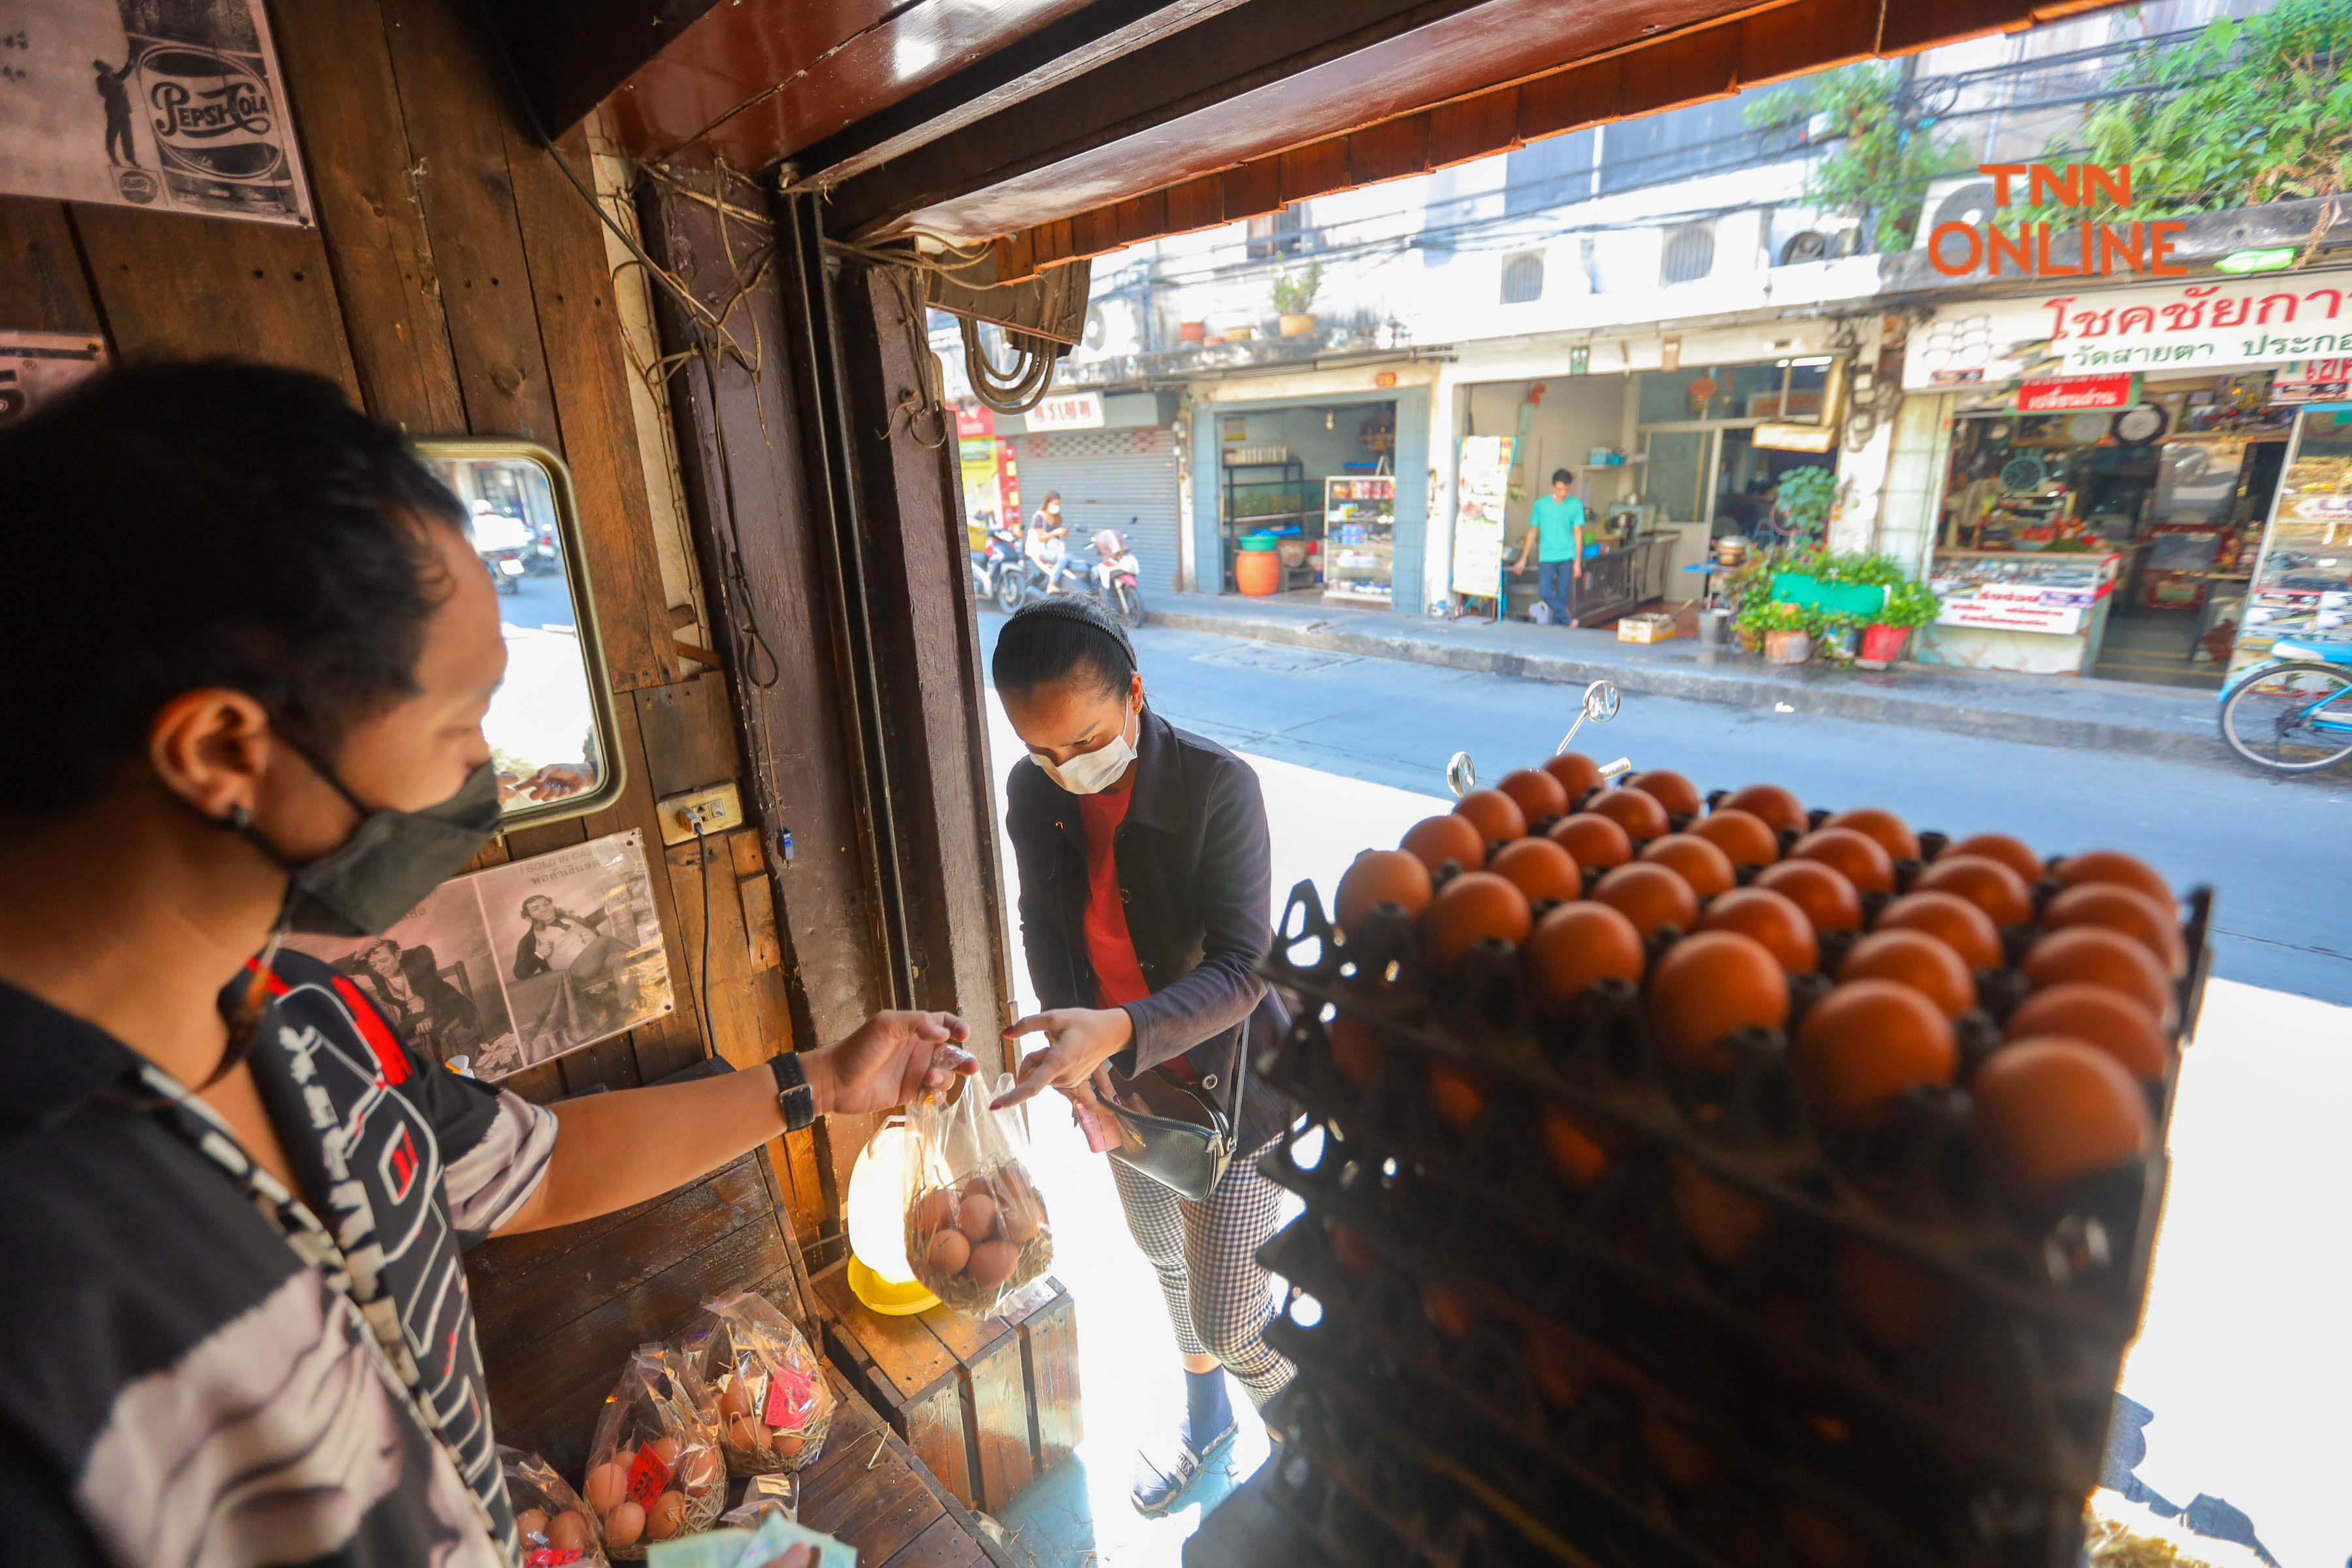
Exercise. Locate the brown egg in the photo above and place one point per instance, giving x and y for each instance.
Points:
(978, 1187)
(743, 1433)
(1855, 856)
(1705, 867)
(1775, 805)
(531, 1524)
(2013, 853)
(1559, 1375)
(2121, 909)
(624, 1523)
(1864, 1044)
(2102, 957)
(666, 1449)
(607, 1486)
(1354, 1254)
(1539, 868)
(1724, 1222)
(1450, 1310)
(1639, 814)
(737, 1400)
(1914, 958)
(1435, 841)
(1536, 791)
(1741, 834)
(1596, 842)
(1575, 1143)
(977, 1218)
(1679, 1454)
(1709, 984)
(2112, 866)
(1951, 920)
(1828, 900)
(1380, 876)
(567, 1532)
(951, 1250)
(2053, 1111)
(1020, 1216)
(1496, 815)
(1992, 887)
(1898, 1305)
(1458, 1092)
(1769, 918)
(790, 1446)
(1575, 945)
(937, 1211)
(1892, 833)
(2096, 1016)
(1355, 1049)
(992, 1263)
(1576, 772)
(1476, 904)
(1672, 791)
(667, 1517)
(1650, 894)
(700, 1468)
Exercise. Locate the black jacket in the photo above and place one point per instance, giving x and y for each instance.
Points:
(1195, 872)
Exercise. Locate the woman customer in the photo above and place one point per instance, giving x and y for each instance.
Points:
(1145, 878)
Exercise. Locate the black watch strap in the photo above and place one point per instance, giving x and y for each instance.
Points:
(792, 1091)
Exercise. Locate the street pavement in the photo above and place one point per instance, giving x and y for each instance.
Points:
(2275, 849)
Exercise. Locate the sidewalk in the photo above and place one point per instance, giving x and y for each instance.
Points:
(2051, 710)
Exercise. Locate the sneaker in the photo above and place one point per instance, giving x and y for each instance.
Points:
(1160, 1480)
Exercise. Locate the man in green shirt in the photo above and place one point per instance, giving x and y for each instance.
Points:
(1556, 537)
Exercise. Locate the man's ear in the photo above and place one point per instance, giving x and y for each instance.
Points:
(210, 748)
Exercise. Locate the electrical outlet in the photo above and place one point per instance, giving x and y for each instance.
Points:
(717, 809)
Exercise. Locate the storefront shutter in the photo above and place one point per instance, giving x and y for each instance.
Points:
(1106, 478)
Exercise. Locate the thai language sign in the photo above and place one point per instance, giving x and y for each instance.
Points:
(2060, 394)
(173, 104)
(2181, 329)
(1482, 488)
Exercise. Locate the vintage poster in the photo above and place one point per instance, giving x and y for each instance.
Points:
(35, 366)
(514, 966)
(173, 104)
(1481, 489)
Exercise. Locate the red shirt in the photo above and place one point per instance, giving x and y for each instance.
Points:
(1118, 980)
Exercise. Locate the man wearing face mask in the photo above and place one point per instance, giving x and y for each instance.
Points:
(235, 1329)
(1145, 878)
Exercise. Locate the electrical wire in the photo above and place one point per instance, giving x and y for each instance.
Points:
(1019, 389)
(702, 974)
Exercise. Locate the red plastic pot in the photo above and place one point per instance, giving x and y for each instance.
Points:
(1883, 643)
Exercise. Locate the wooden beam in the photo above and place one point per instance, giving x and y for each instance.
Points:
(570, 55)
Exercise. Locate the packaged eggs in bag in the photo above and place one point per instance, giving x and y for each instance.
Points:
(976, 1225)
(773, 1404)
(654, 1471)
(556, 1528)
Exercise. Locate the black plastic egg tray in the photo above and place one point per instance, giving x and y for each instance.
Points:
(1976, 1447)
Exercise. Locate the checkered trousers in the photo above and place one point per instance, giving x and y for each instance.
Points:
(1207, 1257)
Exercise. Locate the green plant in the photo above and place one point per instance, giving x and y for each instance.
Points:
(1294, 294)
(1883, 158)
(1805, 498)
(1910, 605)
(1774, 615)
(2253, 110)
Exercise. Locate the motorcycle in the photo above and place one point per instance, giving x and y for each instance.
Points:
(1058, 575)
(998, 569)
(1115, 573)
(543, 557)
(503, 543)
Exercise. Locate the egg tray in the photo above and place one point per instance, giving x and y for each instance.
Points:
(1879, 1460)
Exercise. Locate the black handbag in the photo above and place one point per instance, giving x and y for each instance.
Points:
(1186, 1153)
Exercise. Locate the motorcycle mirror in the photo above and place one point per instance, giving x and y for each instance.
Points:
(1461, 773)
(1600, 704)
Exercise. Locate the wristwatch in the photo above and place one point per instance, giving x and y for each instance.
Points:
(793, 1095)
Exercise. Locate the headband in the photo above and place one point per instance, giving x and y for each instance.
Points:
(1085, 612)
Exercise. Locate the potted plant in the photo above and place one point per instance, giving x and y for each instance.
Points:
(1192, 331)
(1834, 632)
(1805, 495)
(1294, 297)
(1908, 606)
(1781, 628)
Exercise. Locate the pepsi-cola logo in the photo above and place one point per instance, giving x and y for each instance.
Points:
(199, 95)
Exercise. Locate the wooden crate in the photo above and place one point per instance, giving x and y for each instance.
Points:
(870, 1491)
(988, 1404)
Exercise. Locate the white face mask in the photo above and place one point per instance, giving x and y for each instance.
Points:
(1091, 772)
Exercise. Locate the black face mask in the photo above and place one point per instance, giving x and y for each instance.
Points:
(391, 861)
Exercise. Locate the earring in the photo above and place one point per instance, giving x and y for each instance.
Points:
(240, 818)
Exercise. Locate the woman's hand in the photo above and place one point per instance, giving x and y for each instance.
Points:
(890, 1059)
(1078, 1041)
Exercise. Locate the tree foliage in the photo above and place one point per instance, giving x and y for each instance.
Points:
(1879, 162)
(2251, 110)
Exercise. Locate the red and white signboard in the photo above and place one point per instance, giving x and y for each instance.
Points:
(1070, 411)
(2065, 393)
(2313, 381)
(2019, 607)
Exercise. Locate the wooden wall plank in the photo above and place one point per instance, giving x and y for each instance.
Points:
(1049, 1353)
(688, 727)
(946, 1544)
(42, 288)
(999, 1418)
(353, 131)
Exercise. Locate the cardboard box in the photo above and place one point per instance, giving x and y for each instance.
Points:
(1646, 628)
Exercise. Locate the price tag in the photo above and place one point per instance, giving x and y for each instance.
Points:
(647, 1476)
(791, 1394)
(553, 1557)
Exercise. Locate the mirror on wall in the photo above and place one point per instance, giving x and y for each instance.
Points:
(550, 724)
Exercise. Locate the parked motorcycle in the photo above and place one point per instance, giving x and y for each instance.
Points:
(1059, 576)
(998, 569)
(1116, 573)
(503, 544)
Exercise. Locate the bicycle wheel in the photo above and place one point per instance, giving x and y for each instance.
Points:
(2291, 718)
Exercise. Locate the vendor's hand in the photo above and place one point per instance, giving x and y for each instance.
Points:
(557, 780)
(892, 1058)
(1078, 1041)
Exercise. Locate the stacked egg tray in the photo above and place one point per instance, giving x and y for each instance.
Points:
(1495, 1366)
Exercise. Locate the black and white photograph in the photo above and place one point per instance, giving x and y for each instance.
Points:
(578, 945)
(435, 980)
